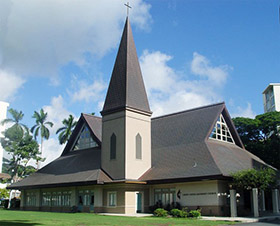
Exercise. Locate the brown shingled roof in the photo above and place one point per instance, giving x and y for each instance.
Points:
(74, 168)
(126, 88)
(180, 150)
(181, 147)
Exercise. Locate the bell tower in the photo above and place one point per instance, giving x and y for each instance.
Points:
(126, 116)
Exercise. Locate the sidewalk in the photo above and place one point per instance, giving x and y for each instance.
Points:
(243, 219)
(127, 215)
(234, 219)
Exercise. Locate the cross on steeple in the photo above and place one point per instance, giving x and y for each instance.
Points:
(128, 7)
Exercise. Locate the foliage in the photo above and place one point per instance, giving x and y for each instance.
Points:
(252, 178)
(22, 151)
(5, 165)
(4, 193)
(41, 127)
(179, 213)
(17, 218)
(159, 212)
(17, 129)
(261, 136)
(195, 213)
(66, 131)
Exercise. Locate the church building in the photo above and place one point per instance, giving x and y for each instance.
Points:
(126, 161)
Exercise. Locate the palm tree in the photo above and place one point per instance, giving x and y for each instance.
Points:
(41, 126)
(17, 128)
(66, 131)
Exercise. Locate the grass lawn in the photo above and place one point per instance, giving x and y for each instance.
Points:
(30, 218)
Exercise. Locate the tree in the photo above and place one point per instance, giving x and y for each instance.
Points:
(261, 136)
(18, 128)
(252, 178)
(41, 127)
(22, 152)
(4, 193)
(66, 131)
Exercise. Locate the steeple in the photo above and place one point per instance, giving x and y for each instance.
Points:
(126, 89)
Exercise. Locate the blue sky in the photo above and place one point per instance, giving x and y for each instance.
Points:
(59, 55)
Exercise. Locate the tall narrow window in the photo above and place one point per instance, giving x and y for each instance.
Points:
(112, 198)
(113, 146)
(138, 146)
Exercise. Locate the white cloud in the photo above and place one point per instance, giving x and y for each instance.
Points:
(9, 85)
(246, 112)
(39, 37)
(82, 91)
(201, 66)
(51, 150)
(57, 112)
(171, 91)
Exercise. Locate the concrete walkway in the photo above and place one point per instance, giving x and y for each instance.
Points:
(243, 219)
(234, 219)
(127, 215)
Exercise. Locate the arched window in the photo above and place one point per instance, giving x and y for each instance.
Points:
(138, 143)
(113, 146)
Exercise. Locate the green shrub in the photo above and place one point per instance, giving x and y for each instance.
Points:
(195, 213)
(159, 212)
(176, 213)
(184, 213)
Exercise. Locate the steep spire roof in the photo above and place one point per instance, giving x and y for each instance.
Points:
(126, 89)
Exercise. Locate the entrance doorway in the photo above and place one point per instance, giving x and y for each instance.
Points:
(139, 202)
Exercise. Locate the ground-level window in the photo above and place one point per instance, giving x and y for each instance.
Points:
(66, 198)
(31, 199)
(86, 197)
(112, 198)
(165, 196)
(59, 198)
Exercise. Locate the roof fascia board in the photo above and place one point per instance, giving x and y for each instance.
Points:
(232, 128)
(214, 122)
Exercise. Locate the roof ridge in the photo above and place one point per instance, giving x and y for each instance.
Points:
(188, 110)
(91, 115)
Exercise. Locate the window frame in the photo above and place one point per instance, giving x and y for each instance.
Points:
(84, 127)
(114, 194)
(221, 131)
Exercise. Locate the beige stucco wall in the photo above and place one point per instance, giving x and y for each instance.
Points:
(126, 125)
(113, 123)
(207, 195)
(130, 202)
(199, 193)
(126, 197)
(202, 193)
(137, 123)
